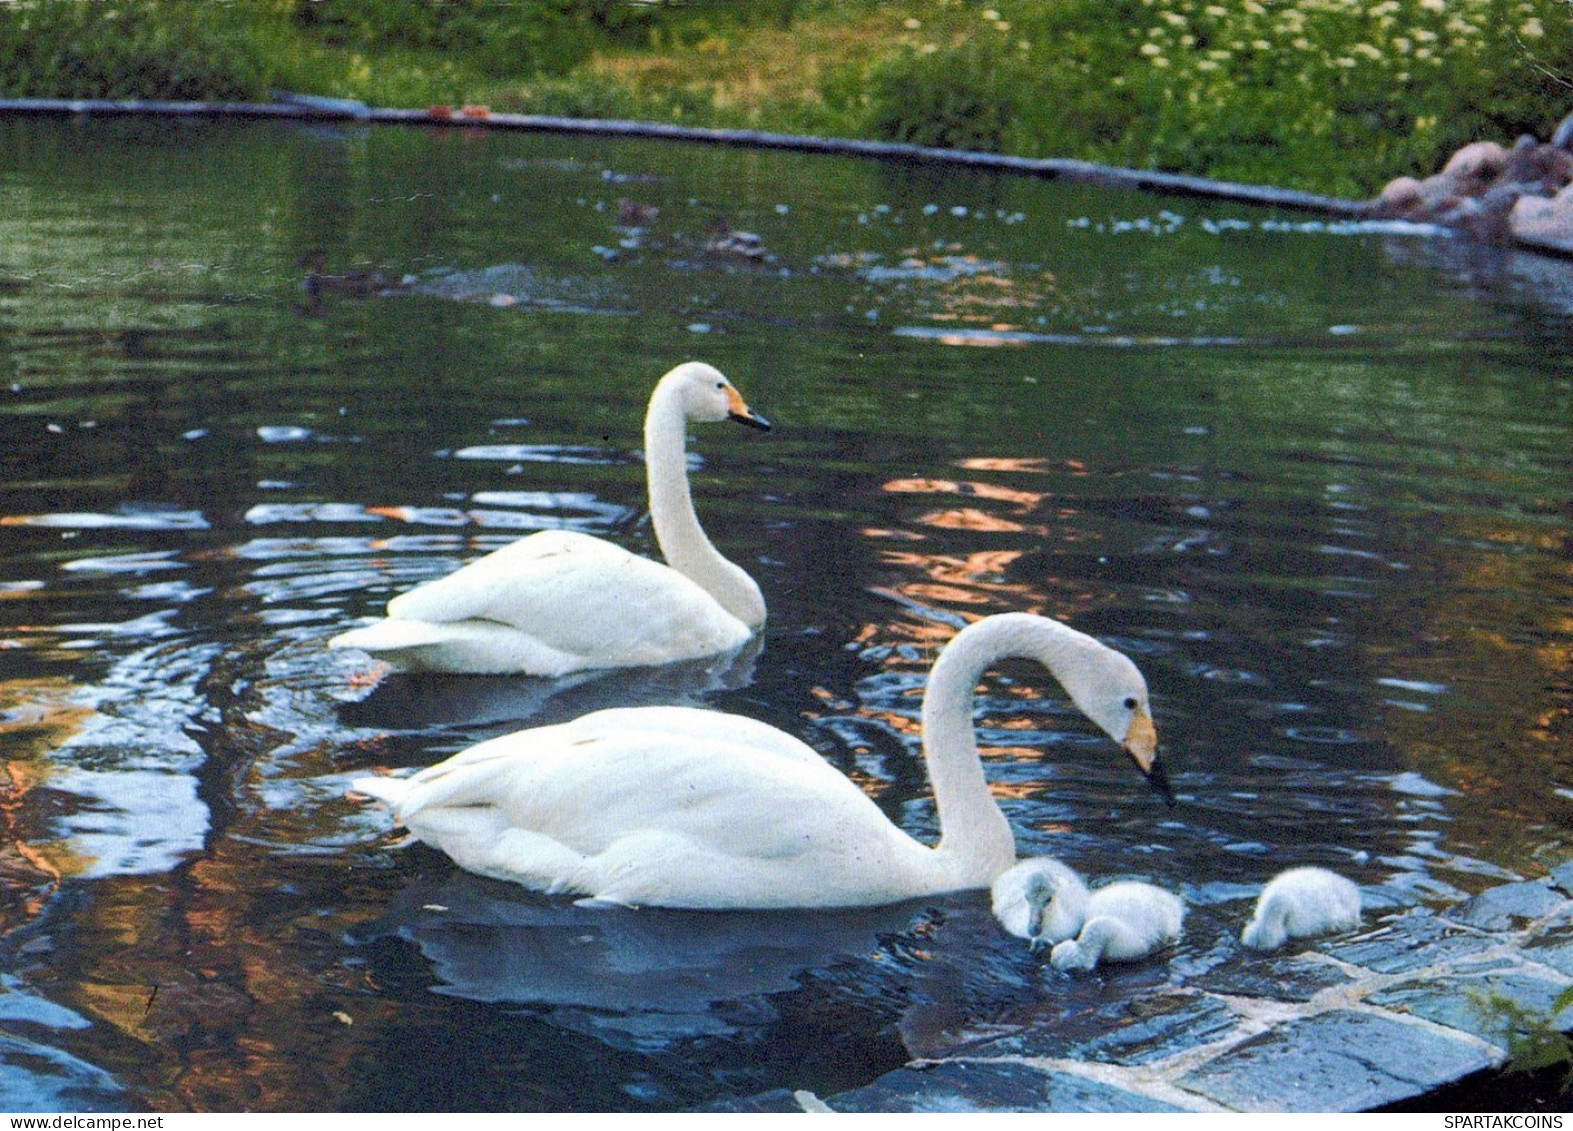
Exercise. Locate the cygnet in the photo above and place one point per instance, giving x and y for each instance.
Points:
(1302, 903)
(1040, 899)
(1124, 922)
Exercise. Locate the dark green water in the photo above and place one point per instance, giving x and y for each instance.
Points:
(1315, 478)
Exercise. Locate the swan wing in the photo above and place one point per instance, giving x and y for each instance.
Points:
(657, 814)
(555, 602)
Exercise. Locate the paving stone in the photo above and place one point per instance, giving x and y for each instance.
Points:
(776, 1100)
(1410, 942)
(1342, 1060)
(1562, 877)
(1511, 907)
(1286, 977)
(1464, 1002)
(1337, 1061)
(1137, 1031)
(1554, 947)
(968, 1086)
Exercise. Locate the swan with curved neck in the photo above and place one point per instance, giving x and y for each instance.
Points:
(559, 601)
(677, 807)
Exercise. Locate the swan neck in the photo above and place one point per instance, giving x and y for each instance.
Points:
(971, 823)
(683, 542)
(972, 828)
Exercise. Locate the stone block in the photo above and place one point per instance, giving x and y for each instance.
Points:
(1511, 907)
(1464, 1003)
(1410, 942)
(984, 1086)
(1276, 977)
(1136, 1031)
(1338, 1061)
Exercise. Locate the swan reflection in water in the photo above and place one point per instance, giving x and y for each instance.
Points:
(650, 972)
(923, 978)
(482, 705)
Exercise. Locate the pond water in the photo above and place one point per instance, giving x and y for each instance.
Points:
(1317, 478)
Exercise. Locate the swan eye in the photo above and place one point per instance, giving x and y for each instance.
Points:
(1130, 703)
(720, 384)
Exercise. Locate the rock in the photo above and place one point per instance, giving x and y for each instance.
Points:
(962, 1086)
(1477, 1004)
(1545, 222)
(1562, 877)
(1148, 1028)
(1476, 166)
(1494, 194)
(777, 1101)
(1336, 1061)
(1509, 907)
(1539, 169)
(1410, 942)
(1398, 198)
(1562, 136)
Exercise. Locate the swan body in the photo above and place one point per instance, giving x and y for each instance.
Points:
(1125, 921)
(1040, 899)
(559, 601)
(1302, 903)
(679, 807)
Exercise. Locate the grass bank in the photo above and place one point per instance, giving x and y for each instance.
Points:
(1334, 96)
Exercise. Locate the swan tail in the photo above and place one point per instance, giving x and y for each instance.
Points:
(390, 635)
(387, 791)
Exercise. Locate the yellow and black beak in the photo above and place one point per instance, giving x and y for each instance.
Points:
(738, 410)
(1141, 743)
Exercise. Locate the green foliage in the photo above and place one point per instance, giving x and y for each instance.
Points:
(175, 49)
(1339, 95)
(961, 96)
(1535, 1042)
(1333, 95)
(494, 39)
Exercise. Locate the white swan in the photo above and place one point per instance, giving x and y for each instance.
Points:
(1125, 921)
(1302, 903)
(677, 807)
(559, 602)
(1041, 899)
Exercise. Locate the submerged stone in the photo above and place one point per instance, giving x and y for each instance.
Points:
(1410, 942)
(969, 1086)
(1276, 977)
(1136, 1031)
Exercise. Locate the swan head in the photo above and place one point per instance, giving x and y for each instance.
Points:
(1056, 905)
(706, 396)
(1110, 691)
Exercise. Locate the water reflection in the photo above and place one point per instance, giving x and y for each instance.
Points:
(492, 705)
(1313, 477)
(656, 973)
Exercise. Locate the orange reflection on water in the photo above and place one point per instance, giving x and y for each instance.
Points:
(1034, 465)
(971, 518)
(36, 716)
(1024, 501)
